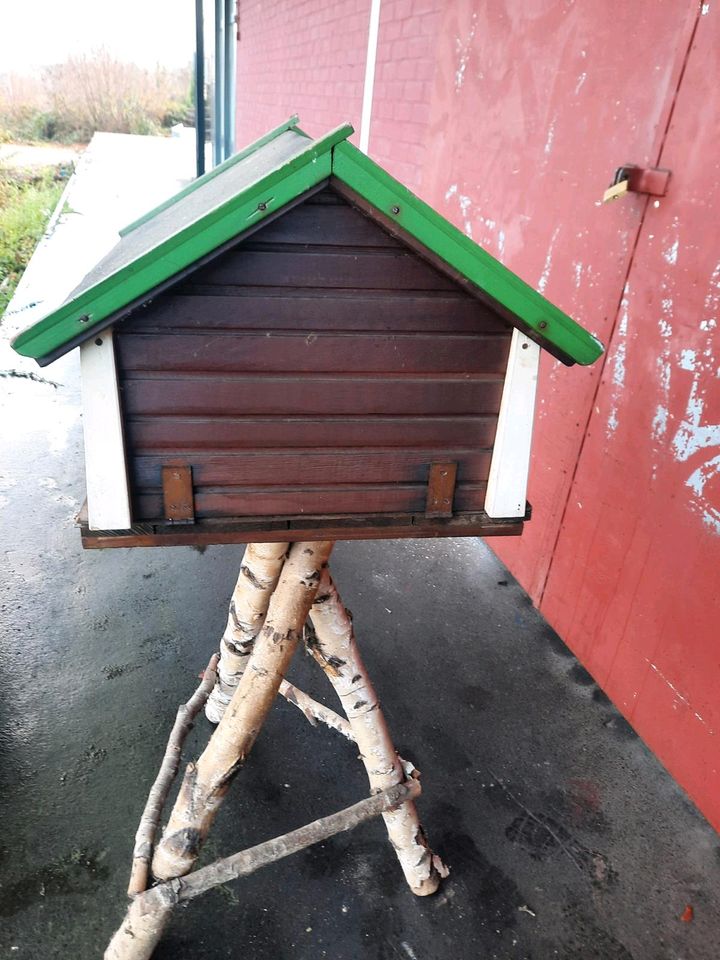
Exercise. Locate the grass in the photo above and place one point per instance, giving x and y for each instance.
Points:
(27, 200)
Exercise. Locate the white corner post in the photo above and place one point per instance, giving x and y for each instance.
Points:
(507, 483)
(108, 496)
(369, 84)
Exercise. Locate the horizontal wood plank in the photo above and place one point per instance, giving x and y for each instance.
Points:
(439, 314)
(336, 224)
(324, 269)
(349, 527)
(189, 288)
(314, 352)
(238, 433)
(354, 396)
(269, 501)
(326, 196)
(310, 468)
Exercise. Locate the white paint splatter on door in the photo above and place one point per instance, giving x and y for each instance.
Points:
(696, 431)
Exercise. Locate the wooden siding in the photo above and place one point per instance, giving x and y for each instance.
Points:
(319, 367)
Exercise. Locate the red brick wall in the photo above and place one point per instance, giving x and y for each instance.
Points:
(309, 58)
(300, 57)
(404, 78)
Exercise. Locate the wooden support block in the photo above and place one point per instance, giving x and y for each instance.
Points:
(178, 501)
(441, 489)
(108, 494)
(510, 465)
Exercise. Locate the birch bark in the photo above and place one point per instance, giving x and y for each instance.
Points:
(259, 574)
(336, 651)
(147, 830)
(206, 783)
(314, 711)
(148, 914)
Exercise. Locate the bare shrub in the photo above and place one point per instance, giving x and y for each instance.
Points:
(73, 100)
(22, 99)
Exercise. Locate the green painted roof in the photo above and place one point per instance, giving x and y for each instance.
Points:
(253, 184)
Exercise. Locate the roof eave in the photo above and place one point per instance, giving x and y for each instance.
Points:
(331, 155)
(57, 333)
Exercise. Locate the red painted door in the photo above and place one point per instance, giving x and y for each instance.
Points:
(634, 585)
(533, 109)
(510, 119)
(530, 115)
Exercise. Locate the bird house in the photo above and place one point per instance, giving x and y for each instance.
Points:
(295, 347)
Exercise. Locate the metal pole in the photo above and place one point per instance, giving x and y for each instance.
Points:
(229, 85)
(218, 127)
(199, 89)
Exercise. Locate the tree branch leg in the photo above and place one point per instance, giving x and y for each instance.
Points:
(150, 912)
(147, 830)
(336, 651)
(206, 783)
(315, 711)
(259, 575)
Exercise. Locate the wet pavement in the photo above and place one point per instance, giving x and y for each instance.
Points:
(565, 837)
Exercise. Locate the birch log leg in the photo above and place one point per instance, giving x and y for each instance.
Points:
(259, 574)
(336, 651)
(147, 830)
(206, 782)
(149, 913)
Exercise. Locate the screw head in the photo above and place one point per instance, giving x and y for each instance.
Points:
(542, 324)
(396, 209)
(262, 206)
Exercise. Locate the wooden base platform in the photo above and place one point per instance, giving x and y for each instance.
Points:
(379, 526)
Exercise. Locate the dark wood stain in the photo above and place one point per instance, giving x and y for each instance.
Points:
(171, 433)
(218, 502)
(326, 467)
(177, 487)
(317, 368)
(441, 489)
(303, 309)
(212, 395)
(353, 268)
(378, 526)
(298, 351)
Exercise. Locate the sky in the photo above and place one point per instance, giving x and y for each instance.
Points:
(36, 33)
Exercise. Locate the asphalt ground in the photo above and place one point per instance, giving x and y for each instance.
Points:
(565, 836)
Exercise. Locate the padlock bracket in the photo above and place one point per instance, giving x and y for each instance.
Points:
(631, 178)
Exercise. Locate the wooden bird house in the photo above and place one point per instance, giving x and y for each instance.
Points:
(295, 347)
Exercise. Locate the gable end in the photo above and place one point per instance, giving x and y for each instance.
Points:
(317, 367)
